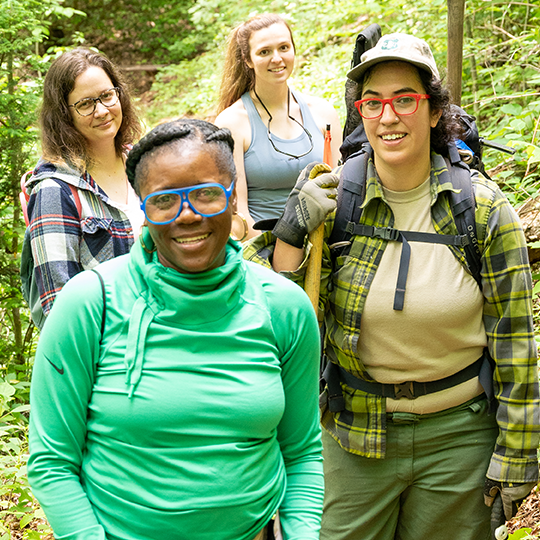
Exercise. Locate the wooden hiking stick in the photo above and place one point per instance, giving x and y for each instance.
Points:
(313, 270)
(454, 58)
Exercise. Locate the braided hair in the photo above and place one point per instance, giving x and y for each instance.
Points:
(179, 133)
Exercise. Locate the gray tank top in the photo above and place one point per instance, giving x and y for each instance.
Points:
(270, 175)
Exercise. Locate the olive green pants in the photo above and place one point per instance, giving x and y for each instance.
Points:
(429, 486)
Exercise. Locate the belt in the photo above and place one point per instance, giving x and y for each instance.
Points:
(334, 374)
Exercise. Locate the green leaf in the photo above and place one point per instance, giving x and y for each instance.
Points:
(6, 390)
(512, 108)
(520, 534)
(534, 154)
(26, 520)
(518, 124)
(24, 408)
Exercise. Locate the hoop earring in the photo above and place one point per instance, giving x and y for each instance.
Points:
(245, 225)
(149, 251)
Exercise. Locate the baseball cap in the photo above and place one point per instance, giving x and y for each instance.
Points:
(397, 46)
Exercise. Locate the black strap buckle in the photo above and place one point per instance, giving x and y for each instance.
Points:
(386, 233)
(404, 390)
(462, 240)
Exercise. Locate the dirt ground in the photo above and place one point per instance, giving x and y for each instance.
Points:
(528, 515)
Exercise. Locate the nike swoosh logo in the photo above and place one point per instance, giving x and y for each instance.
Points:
(61, 371)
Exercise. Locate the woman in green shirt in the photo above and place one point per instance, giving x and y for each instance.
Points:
(179, 401)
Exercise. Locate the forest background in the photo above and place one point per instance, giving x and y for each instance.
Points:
(172, 53)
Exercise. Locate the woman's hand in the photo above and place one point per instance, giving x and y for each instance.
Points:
(311, 200)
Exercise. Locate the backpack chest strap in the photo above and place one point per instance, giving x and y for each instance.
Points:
(388, 233)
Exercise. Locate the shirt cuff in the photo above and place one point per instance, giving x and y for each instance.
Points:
(504, 469)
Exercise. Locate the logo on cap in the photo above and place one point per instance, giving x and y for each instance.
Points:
(390, 44)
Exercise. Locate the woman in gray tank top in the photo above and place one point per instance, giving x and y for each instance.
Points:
(277, 131)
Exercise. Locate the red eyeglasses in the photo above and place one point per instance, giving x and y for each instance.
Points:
(402, 105)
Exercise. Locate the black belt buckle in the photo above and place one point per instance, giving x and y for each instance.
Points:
(404, 390)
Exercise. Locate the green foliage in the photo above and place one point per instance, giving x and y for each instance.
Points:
(518, 127)
(18, 508)
(24, 24)
(501, 87)
(522, 534)
(136, 31)
(185, 89)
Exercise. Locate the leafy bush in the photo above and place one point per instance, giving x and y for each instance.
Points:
(135, 31)
(23, 25)
(18, 508)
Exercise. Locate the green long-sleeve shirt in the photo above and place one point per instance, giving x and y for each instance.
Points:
(507, 316)
(195, 418)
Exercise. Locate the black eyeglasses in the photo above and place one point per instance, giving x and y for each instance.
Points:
(87, 106)
(294, 120)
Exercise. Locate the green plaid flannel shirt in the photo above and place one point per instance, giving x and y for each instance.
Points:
(507, 290)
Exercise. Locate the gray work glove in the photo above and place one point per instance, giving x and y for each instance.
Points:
(511, 493)
(311, 200)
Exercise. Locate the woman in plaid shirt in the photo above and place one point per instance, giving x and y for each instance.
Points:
(411, 450)
(82, 209)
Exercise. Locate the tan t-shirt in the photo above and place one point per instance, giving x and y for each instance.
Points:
(440, 330)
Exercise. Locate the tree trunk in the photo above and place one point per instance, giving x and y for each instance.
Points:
(454, 62)
(529, 214)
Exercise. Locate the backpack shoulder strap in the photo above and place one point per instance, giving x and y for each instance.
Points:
(463, 205)
(351, 194)
(75, 193)
(104, 309)
(24, 197)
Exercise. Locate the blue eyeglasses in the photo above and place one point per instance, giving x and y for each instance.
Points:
(207, 200)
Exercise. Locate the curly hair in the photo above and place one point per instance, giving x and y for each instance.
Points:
(60, 140)
(447, 128)
(238, 77)
(175, 133)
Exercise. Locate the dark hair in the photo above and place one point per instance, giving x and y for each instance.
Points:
(180, 132)
(238, 77)
(447, 128)
(60, 140)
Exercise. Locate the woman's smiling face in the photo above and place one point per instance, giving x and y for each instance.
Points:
(191, 243)
(103, 124)
(399, 142)
(271, 54)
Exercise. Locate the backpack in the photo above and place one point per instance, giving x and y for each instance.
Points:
(351, 193)
(355, 152)
(29, 286)
(464, 162)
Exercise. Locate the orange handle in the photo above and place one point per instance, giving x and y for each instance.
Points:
(313, 271)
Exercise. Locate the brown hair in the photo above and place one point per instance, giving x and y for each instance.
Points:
(60, 140)
(238, 77)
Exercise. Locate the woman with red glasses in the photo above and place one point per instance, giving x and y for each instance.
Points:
(418, 351)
